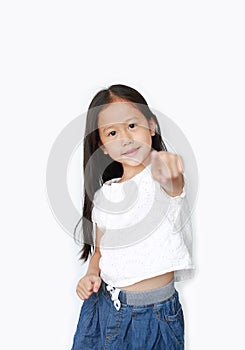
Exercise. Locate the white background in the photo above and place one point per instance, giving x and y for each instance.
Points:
(187, 59)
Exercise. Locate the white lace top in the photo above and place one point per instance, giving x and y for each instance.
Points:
(146, 232)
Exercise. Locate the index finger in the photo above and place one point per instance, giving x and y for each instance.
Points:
(89, 285)
(156, 160)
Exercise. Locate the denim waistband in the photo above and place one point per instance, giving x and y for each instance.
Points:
(139, 298)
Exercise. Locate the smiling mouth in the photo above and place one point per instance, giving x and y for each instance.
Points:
(131, 152)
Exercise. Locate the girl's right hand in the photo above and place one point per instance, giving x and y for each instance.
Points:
(88, 285)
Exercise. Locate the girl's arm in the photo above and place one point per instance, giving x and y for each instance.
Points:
(93, 267)
(91, 281)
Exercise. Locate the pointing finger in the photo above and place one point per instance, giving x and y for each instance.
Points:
(156, 159)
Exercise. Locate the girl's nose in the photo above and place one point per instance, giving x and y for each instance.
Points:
(127, 141)
(126, 137)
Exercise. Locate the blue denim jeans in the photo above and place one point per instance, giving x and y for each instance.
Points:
(131, 325)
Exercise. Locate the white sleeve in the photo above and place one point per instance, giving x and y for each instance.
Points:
(97, 216)
(176, 207)
(94, 216)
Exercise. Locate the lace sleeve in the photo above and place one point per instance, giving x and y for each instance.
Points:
(97, 214)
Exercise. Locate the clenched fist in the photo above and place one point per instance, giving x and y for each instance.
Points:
(167, 169)
(87, 285)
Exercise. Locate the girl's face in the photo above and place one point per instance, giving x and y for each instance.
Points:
(125, 133)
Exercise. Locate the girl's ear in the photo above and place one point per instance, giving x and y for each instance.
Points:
(104, 149)
(152, 126)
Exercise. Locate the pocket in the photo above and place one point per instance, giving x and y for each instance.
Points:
(87, 335)
(174, 319)
(87, 318)
(171, 321)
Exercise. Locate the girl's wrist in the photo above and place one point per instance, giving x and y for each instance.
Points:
(93, 272)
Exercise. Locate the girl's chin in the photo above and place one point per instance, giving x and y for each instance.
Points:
(130, 161)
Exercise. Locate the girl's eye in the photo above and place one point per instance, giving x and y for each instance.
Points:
(110, 133)
(133, 125)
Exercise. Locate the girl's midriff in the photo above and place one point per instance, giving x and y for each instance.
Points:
(150, 283)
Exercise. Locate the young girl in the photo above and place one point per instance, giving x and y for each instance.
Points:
(133, 218)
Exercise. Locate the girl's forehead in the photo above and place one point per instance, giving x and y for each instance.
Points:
(119, 112)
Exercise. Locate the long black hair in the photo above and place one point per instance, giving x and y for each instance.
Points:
(98, 167)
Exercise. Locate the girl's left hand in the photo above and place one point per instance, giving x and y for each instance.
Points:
(167, 168)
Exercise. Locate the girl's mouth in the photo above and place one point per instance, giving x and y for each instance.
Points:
(131, 152)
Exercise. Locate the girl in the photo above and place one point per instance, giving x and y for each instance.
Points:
(134, 201)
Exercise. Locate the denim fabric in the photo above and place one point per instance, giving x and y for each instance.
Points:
(155, 326)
